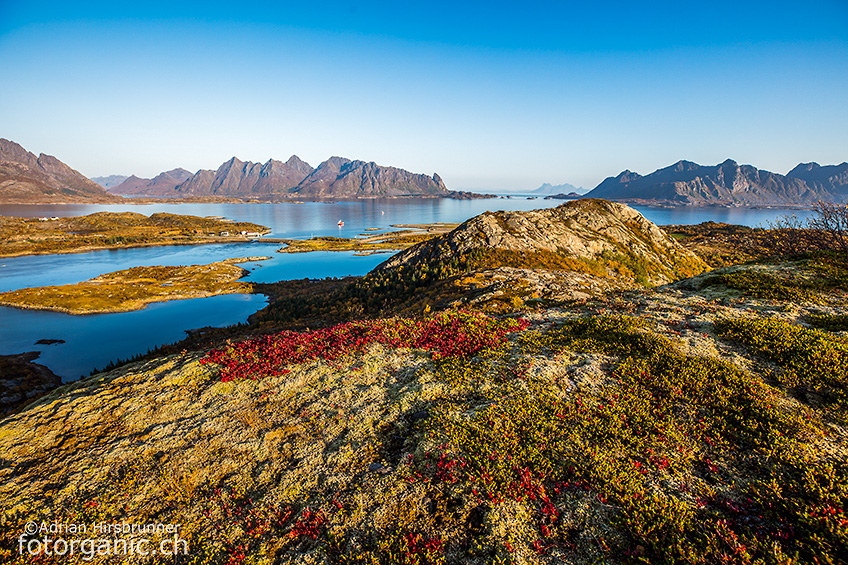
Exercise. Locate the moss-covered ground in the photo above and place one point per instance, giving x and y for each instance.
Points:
(688, 424)
(701, 422)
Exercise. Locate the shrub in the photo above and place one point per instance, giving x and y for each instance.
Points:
(449, 334)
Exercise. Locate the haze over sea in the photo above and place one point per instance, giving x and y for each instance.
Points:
(93, 341)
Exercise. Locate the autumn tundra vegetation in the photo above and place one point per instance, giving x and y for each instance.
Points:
(464, 410)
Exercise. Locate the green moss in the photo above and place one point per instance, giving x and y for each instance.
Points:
(764, 285)
(830, 322)
(812, 360)
(665, 418)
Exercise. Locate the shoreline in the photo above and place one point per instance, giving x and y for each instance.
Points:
(89, 248)
(90, 297)
(141, 306)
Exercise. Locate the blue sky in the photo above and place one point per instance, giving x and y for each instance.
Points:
(491, 95)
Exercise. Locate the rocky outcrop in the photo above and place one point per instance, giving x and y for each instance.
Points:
(586, 229)
(725, 184)
(27, 179)
(162, 184)
(22, 381)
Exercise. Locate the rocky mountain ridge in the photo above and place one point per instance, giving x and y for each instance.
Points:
(27, 179)
(727, 184)
(294, 179)
(238, 178)
(340, 177)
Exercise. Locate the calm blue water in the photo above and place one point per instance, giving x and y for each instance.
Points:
(92, 341)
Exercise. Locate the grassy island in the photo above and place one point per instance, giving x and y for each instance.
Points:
(132, 289)
(109, 230)
(369, 243)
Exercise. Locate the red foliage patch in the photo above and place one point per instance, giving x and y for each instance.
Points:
(450, 334)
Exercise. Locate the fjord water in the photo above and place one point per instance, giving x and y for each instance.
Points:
(94, 340)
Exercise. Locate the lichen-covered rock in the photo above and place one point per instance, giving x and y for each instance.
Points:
(614, 235)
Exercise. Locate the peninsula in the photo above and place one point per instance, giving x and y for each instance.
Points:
(111, 230)
(369, 243)
(133, 289)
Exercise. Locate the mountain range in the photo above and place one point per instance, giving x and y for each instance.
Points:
(727, 184)
(336, 177)
(27, 179)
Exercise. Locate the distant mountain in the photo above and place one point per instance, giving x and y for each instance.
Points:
(162, 184)
(561, 196)
(110, 181)
(548, 189)
(236, 178)
(725, 184)
(829, 177)
(27, 179)
(295, 179)
(338, 177)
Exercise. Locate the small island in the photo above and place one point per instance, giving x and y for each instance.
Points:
(370, 243)
(133, 289)
(110, 230)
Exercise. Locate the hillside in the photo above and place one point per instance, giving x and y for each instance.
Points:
(599, 237)
(27, 179)
(498, 262)
(701, 422)
(725, 184)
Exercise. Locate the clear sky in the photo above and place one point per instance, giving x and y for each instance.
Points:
(491, 95)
